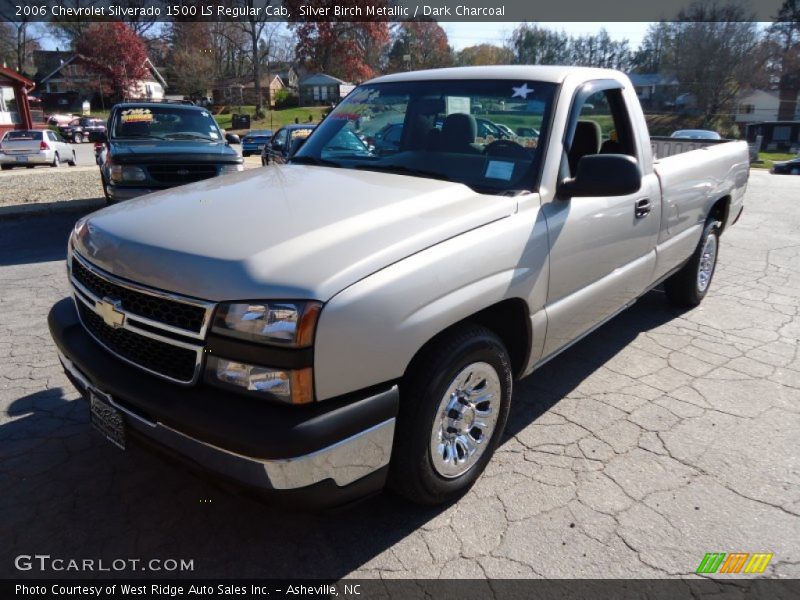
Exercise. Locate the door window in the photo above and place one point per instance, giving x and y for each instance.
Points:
(603, 127)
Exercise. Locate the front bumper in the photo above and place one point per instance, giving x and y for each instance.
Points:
(323, 454)
(121, 192)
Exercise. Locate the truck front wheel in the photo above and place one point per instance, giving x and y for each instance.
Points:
(689, 286)
(453, 410)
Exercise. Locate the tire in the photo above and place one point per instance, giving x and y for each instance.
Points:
(56, 161)
(74, 160)
(6, 167)
(77, 138)
(430, 462)
(689, 286)
(245, 154)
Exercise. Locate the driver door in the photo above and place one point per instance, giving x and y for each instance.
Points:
(602, 249)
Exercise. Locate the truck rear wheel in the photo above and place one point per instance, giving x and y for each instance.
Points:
(453, 410)
(689, 286)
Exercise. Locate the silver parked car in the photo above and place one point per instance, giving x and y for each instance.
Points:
(696, 134)
(28, 148)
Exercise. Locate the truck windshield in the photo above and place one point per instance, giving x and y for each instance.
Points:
(165, 122)
(482, 133)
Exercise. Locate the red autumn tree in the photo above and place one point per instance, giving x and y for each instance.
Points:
(420, 45)
(351, 50)
(116, 54)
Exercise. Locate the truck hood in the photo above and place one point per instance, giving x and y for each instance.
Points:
(283, 232)
(142, 151)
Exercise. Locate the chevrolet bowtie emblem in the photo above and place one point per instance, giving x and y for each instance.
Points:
(110, 311)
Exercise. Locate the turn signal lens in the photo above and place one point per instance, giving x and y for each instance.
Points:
(293, 387)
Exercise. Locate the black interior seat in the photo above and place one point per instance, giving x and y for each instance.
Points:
(586, 141)
(458, 134)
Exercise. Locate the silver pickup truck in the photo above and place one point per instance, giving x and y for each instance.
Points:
(357, 317)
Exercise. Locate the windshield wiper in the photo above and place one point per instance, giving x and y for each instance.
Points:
(402, 170)
(198, 136)
(313, 160)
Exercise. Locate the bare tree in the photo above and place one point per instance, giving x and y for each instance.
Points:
(254, 27)
(783, 56)
(651, 54)
(713, 52)
(17, 43)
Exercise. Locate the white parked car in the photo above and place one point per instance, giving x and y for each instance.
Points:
(28, 148)
(60, 119)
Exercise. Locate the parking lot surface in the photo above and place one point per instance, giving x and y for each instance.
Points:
(660, 437)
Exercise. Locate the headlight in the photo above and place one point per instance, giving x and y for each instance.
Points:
(225, 169)
(294, 387)
(282, 323)
(120, 173)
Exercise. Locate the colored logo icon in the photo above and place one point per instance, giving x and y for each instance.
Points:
(734, 562)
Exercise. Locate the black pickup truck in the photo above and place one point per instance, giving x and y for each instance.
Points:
(81, 129)
(153, 146)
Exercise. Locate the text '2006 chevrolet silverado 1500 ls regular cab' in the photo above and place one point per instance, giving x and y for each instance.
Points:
(358, 316)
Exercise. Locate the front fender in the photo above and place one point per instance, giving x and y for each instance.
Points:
(368, 333)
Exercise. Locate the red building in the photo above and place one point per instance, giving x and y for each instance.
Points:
(15, 111)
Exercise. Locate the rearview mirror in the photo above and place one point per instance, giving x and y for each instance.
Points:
(232, 138)
(603, 175)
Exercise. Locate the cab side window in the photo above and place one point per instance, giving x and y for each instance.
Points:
(603, 127)
(279, 141)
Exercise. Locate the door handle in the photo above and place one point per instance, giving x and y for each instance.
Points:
(642, 208)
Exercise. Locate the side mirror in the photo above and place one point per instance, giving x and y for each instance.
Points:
(603, 175)
(232, 138)
(297, 143)
(98, 137)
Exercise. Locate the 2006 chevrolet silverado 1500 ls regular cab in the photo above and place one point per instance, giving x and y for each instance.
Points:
(358, 316)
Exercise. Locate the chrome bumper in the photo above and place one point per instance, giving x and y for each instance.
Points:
(39, 158)
(343, 462)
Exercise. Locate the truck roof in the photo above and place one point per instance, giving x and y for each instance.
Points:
(550, 73)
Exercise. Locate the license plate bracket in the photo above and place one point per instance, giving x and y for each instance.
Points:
(106, 419)
(22, 159)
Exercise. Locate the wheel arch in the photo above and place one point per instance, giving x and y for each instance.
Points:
(509, 319)
(720, 210)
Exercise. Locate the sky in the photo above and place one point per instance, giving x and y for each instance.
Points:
(469, 34)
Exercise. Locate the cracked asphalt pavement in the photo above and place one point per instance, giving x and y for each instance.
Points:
(662, 436)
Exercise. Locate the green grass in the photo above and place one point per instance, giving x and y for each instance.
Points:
(274, 119)
(767, 158)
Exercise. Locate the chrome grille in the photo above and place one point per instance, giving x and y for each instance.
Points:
(163, 310)
(159, 332)
(155, 356)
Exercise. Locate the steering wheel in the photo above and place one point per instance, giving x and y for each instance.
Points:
(507, 149)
